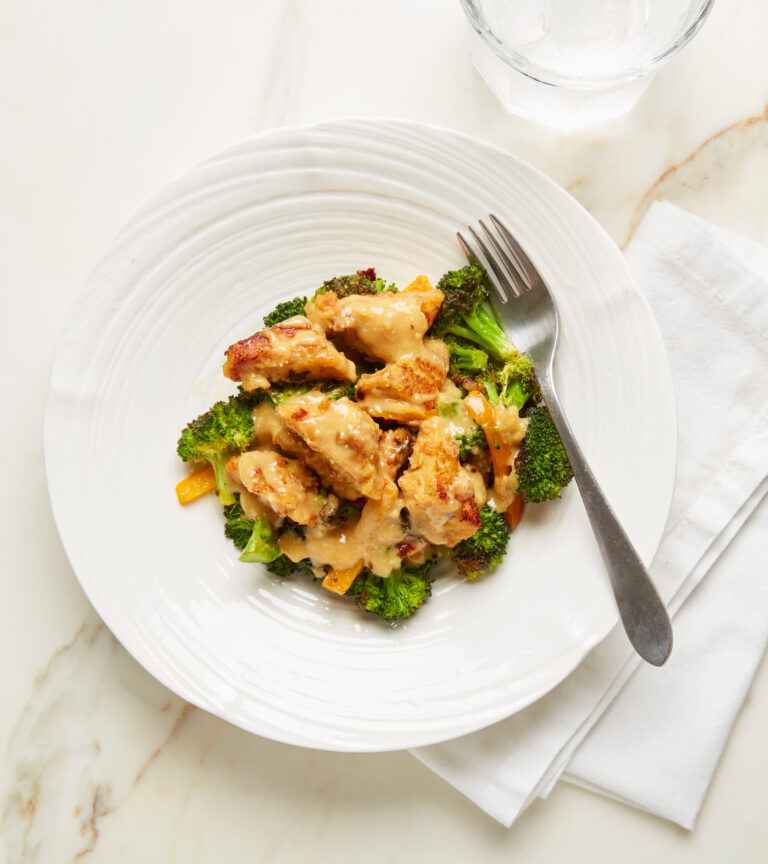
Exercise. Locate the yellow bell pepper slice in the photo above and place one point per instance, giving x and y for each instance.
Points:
(196, 484)
(339, 581)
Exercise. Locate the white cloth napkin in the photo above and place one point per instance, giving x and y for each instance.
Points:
(652, 737)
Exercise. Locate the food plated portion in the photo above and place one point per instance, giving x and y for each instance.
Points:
(376, 431)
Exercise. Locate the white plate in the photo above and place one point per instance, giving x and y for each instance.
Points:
(141, 354)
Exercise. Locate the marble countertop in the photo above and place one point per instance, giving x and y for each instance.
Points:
(103, 103)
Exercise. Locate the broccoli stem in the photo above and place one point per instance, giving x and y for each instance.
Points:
(262, 547)
(468, 359)
(464, 332)
(516, 394)
(219, 465)
(484, 329)
(491, 390)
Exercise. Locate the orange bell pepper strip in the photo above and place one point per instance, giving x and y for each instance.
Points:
(196, 484)
(339, 581)
(514, 512)
(484, 414)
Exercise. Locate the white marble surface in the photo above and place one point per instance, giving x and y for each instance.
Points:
(102, 103)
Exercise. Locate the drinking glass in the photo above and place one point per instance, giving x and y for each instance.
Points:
(572, 63)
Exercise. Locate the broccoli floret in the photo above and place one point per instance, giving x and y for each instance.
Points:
(337, 389)
(284, 391)
(282, 566)
(362, 282)
(465, 359)
(226, 428)
(513, 383)
(485, 548)
(518, 382)
(489, 380)
(254, 536)
(467, 312)
(398, 595)
(285, 310)
(332, 390)
(542, 465)
(470, 439)
(236, 526)
(356, 588)
(466, 433)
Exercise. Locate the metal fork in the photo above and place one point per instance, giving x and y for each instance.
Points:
(531, 312)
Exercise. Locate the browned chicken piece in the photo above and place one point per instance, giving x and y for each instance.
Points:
(381, 326)
(342, 434)
(286, 485)
(406, 391)
(438, 492)
(271, 432)
(378, 539)
(293, 348)
(289, 442)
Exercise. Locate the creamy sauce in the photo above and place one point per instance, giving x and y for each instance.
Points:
(322, 545)
(481, 493)
(266, 423)
(451, 407)
(380, 530)
(376, 539)
(255, 508)
(385, 326)
(253, 380)
(511, 429)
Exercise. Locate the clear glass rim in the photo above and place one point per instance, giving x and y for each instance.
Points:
(538, 73)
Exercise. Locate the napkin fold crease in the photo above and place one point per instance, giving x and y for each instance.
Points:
(652, 737)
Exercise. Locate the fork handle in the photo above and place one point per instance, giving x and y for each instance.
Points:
(642, 612)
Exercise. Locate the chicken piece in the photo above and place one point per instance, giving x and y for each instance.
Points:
(271, 432)
(289, 442)
(294, 347)
(286, 485)
(436, 489)
(406, 391)
(342, 434)
(381, 326)
(378, 540)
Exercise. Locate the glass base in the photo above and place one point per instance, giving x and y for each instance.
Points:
(555, 105)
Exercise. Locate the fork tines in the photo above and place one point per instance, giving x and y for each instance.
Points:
(510, 265)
